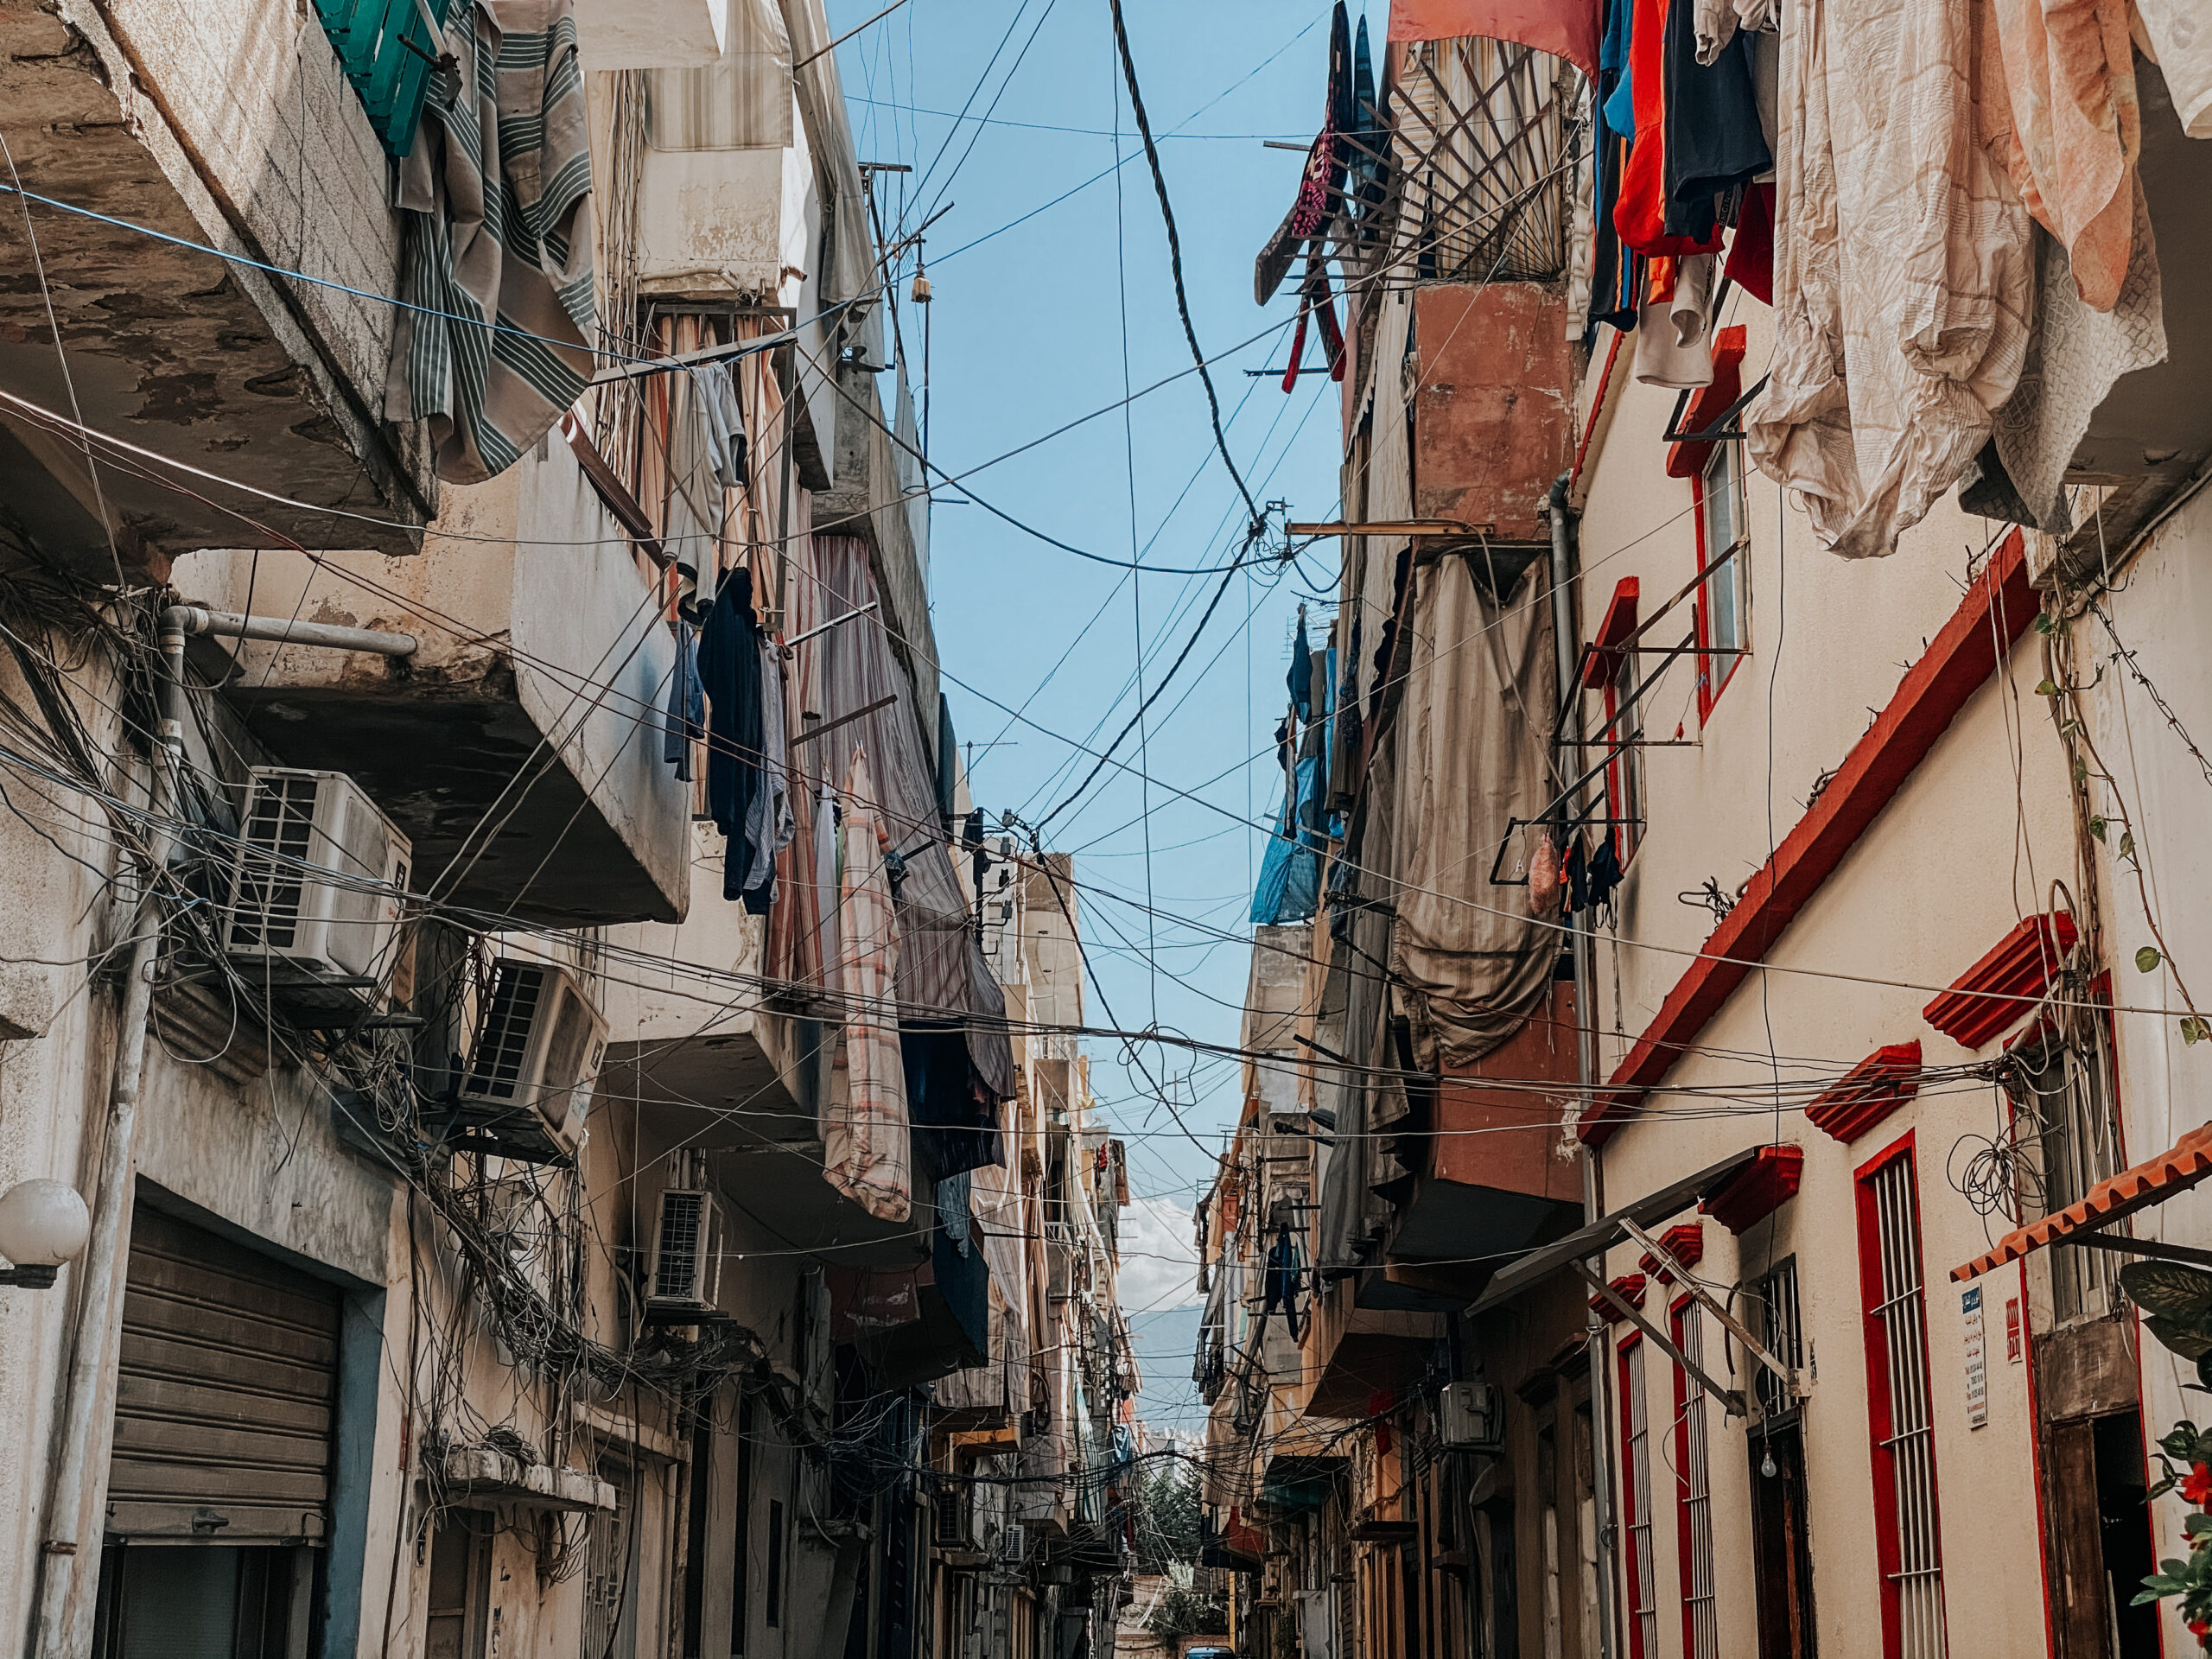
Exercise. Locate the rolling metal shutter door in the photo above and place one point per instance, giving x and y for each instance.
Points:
(224, 1395)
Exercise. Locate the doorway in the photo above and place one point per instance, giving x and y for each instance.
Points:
(1782, 1553)
(2100, 1546)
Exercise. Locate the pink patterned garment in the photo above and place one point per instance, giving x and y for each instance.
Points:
(2074, 131)
(867, 1147)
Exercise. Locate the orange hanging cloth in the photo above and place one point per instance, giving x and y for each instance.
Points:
(2075, 129)
(1640, 215)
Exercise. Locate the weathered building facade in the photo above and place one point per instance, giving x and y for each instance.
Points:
(1732, 1196)
(487, 932)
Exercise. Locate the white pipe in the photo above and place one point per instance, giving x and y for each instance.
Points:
(66, 1602)
(196, 619)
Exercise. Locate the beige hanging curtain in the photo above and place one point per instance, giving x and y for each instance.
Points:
(867, 1147)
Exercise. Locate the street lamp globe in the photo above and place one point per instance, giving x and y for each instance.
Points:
(42, 1224)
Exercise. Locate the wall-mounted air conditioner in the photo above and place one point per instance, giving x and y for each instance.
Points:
(687, 1253)
(952, 1516)
(1471, 1417)
(528, 1079)
(315, 901)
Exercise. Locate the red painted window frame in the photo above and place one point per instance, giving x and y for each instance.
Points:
(1631, 1580)
(1686, 1391)
(1626, 835)
(1880, 1404)
(1712, 683)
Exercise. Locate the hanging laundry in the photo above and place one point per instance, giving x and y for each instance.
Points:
(721, 422)
(1641, 215)
(686, 712)
(1674, 347)
(2175, 34)
(769, 823)
(729, 666)
(1750, 250)
(1902, 268)
(2076, 354)
(1713, 140)
(1544, 874)
(1321, 187)
(866, 1143)
(496, 239)
(1565, 28)
(1369, 149)
(1315, 302)
(1301, 676)
(2074, 130)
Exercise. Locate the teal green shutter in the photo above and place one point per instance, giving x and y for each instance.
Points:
(387, 51)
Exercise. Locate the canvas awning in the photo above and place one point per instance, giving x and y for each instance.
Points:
(1567, 28)
(2181, 1167)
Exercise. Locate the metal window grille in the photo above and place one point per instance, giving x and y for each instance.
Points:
(1701, 1615)
(682, 1223)
(1642, 1589)
(1898, 1399)
(279, 834)
(1781, 1332)
(495, 1065)
(607, 1566)
(2067, 1085)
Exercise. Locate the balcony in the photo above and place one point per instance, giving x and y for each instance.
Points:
(519, 747)
(707, 1065)
(1486, 1182)
(226, 125)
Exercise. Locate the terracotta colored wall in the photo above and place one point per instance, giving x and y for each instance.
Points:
(1501, 1135)
(1494, 409)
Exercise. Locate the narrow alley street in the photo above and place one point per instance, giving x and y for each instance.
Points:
(1082, 829)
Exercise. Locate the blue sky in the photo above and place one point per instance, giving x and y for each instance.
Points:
(1028, 332)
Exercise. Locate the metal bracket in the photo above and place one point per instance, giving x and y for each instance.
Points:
(1732, 1400)
(1712, 1303)
(1720, 431)
(2158, 1249)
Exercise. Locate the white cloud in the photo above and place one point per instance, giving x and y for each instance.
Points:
(1159, 1265)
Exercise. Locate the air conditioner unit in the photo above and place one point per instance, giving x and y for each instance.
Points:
(315, 901)
(687, 1253)
(952, 1518)
(530, 1070)
(1471, 1417)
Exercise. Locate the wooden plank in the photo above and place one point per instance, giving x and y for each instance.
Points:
(244, 1523)
(149, 1480)
(248, 1452)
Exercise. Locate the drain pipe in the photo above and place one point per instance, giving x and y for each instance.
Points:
(65, 1606)
(1565, 637)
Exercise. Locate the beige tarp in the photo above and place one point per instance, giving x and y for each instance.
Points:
(1473, 735)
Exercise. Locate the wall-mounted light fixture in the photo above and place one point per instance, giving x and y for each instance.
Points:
(42, 1224)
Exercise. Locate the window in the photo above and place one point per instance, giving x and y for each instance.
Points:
(1635, 1505)
(1898, 1409)
(1624, 756)
(2062, 1106)
(1774, 1307)
(1694, 1492)
(1724, 604)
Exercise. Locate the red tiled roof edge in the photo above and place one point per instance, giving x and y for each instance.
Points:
(1957, 660)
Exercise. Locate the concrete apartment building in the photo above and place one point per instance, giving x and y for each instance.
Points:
(1745, 997)
(541, 1197)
